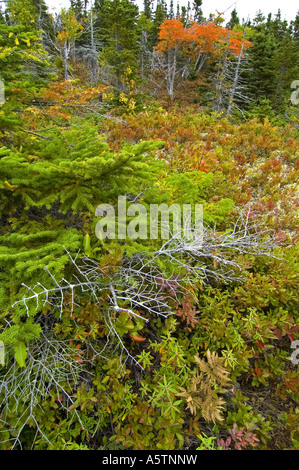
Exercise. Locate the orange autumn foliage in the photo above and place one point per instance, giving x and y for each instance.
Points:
(198, 38)
(172, 33)
(62, 100)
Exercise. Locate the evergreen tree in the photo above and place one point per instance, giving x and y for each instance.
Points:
(145, 27)
(147, 8)
(234, 20)
(119, 34)
(261, 74)
(286, 61)
(259, 18)
(278, 27)
(287, 67)
(295, 27)
(159, 16)
(171, 11)
(273, 63)
(34, 15)
(178, 11)
(23, 12)
(77, 7)
(23, 67)
(198, 14)
(47, 200)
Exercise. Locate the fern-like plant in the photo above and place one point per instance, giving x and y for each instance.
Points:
(202, 395)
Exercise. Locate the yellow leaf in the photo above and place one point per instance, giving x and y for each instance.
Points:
(10, 35)
(9, 186)
(27, 41)
(17, 41)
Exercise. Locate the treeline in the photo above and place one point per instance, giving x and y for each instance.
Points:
(242, 68)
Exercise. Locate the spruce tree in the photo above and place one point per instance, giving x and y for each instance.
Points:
(171, 11)
(198, 14)
(287, 67)
(77, 7)
(295, 27)
(147, 8)
(24, 67)
(159, 16)
(23, 12)
(234, 19)
(49, 191)
(261, 73)
(119, 35)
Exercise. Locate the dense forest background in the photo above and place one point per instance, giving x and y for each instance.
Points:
(145, 343)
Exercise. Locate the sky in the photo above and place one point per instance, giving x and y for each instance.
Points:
(244, 8)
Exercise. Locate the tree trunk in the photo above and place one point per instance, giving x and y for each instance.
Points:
(220, 78)
(172, 65)
(200, 61)
(93, 49)
(236, 78)
(65, 64)
(143, 55)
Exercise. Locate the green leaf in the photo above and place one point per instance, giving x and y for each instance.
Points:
(20, 354)
(87, 249)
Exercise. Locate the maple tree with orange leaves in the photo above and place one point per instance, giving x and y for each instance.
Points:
(196, 42)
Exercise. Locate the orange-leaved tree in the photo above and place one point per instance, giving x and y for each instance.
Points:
(61, 101)
(208, 39)
(179, 45)
(173, 39)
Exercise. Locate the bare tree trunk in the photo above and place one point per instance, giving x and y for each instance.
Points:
(65, 64)
(184, 72)
(220, 78)
(236, 78)
(143, 55)
(200, 61)
(40, 26)
(172, 65)
(93, 49)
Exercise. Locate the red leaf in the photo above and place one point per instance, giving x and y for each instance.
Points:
(277, 332)
(78, 359)
(137, 338)
(294, 328)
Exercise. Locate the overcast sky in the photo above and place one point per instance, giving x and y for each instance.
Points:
(244, 8)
